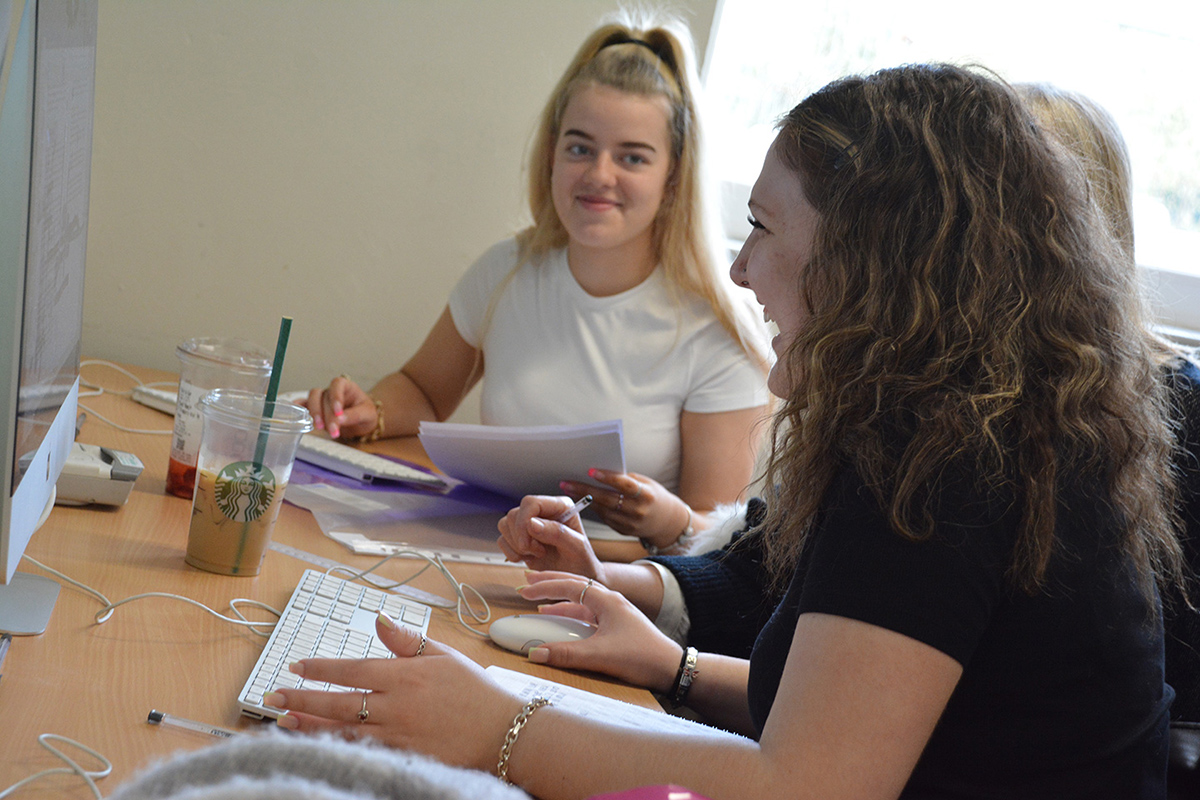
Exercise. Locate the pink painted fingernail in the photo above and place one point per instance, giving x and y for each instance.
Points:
(593, 472)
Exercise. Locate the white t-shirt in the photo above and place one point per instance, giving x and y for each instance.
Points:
(555, 355)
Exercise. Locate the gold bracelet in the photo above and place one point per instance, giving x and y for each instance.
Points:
(510, 738)
(375, 434)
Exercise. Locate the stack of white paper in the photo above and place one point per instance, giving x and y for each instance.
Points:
(517, 461)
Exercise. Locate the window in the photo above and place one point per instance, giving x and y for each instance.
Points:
(1137, 59)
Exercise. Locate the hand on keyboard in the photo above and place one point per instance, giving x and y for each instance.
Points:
(326, 617)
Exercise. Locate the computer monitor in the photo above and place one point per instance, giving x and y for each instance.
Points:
(47, 74)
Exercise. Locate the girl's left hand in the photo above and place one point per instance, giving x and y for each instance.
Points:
(626, 644)
(635, 506)
(437, 702)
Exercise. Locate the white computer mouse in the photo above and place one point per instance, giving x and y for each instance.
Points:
(520, 632)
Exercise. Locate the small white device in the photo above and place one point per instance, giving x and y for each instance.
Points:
(96, 474)
(521, 632)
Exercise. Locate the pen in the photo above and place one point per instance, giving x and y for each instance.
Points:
(5, 641)
(583, 503)
(159, 718)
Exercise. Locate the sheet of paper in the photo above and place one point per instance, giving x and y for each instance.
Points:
(599, 707)
(516, 461)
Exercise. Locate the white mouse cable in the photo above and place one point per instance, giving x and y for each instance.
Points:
(72, 768)
(460, 589)
(257, 626)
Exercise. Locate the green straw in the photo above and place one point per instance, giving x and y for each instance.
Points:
(260, 448)
(285, 330)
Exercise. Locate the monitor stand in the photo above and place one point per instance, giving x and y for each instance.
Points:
(26, 603)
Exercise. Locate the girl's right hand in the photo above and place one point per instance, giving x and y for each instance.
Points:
(530, 534)
(627, 645)
(343, 409)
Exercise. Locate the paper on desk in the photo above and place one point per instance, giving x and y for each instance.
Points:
(597, 706)
(459, 525)
(516, 461)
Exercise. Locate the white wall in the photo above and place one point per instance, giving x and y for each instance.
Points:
(340, 162)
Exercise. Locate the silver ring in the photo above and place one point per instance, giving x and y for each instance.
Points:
(586, 586)
(363, 714)
(620, 501)
(421, 646)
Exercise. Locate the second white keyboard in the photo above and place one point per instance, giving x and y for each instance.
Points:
(362, 466)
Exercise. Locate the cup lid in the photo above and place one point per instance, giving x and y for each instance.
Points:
(238, 407)
(236, 354)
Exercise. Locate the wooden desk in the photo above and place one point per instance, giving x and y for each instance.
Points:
(96, 683)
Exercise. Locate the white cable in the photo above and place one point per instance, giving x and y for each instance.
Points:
(460, 589)
(96, 362)
(106, 420)
(462, 605)
(72, 768)
(98, 390)
(106, 612)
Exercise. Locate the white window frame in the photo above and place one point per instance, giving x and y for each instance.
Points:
(1173, 291)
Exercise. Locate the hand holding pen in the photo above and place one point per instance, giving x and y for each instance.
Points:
(574, 510)
(539, 535)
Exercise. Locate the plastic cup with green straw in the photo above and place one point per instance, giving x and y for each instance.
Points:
(260, 448)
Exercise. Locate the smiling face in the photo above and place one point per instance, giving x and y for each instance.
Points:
(775, 255)
(611, 165)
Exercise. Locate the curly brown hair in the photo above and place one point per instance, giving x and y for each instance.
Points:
(966, 308)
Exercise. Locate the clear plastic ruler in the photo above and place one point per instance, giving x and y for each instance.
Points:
(419, 595)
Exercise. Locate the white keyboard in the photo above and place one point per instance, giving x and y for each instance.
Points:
(165, 399)
(362, 466)
(326, 617)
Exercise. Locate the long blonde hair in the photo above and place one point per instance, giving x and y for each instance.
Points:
(1092, 136)
(968, 311)
(1094, 142)
(650, 60)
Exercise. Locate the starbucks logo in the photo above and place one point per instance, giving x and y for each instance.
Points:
(244, 491)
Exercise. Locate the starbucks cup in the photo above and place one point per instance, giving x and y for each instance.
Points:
(208, 364)
(247, 448)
